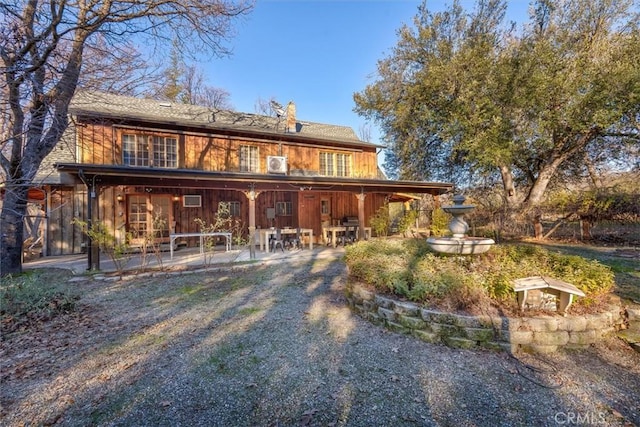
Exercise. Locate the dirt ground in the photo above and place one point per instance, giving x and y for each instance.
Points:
(276, 345)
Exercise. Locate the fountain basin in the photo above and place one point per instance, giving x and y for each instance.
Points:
(460, 245)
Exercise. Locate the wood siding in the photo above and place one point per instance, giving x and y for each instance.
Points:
(100, 142)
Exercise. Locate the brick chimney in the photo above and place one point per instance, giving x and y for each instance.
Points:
(291, 117)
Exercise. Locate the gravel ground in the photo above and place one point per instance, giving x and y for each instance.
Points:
(274, 344)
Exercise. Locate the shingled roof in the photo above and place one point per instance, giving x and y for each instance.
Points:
(126, 107)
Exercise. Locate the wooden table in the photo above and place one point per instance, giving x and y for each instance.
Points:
(335, 229)
(174, 236)
(266, 233)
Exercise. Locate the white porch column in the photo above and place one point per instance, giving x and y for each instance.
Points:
(251, 196)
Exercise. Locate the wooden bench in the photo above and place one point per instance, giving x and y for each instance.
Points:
(563, 291)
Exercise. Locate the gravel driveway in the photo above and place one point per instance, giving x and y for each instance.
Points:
(274, 344)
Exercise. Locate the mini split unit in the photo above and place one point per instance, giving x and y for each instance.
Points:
(277, 164)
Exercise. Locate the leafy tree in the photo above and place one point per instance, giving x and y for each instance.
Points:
(465, 96)
(43, 52)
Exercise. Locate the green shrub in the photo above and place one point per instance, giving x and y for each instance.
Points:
(380, 221)
(439, 222)
(408, 269)
(30, 297)
(407, 221)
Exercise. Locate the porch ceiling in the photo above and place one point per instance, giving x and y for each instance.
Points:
(108, 175)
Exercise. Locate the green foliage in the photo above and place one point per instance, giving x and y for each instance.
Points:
(408, 269)
(380, 221)
(407, 221)
(31, 297)
(464, 93)
(614, 203)
(439, 222)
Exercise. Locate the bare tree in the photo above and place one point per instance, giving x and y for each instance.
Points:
(196, 91)
(183, 83)
(268, 107)
(364, 132)
(43, 52)
(118, 69)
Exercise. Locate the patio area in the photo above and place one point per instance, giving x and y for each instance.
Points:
(183, 258)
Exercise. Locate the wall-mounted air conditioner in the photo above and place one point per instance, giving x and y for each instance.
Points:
(276, 164)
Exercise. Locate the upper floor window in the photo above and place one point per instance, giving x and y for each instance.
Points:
(335, 164)
(136, 151)
(165, 152)
(249, 160)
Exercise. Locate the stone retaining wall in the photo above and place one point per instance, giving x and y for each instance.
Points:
(537, 334)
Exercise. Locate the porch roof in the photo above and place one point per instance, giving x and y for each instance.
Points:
(107, 175)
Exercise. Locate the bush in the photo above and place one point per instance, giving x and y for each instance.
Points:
(439, 222)
(407, 221)
(408, 269)
(380, 221)
(29, 297)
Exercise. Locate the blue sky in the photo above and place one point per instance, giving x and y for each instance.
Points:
(316, 54)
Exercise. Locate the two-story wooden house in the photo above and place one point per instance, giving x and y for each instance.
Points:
(127, 161)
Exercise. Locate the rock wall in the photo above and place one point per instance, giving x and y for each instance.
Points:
(542, 334)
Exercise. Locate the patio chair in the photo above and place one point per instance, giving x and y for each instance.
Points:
(349, 235)
(297, 240)
(277, 240)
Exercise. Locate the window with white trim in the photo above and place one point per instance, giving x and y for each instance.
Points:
(335, 164)
(249, 160)
(165, 152)
(136, 151)
(191, 201)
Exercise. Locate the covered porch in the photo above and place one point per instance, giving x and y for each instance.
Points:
(124, 196)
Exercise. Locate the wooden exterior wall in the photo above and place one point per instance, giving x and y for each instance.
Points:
(100, 143)
(63, 205)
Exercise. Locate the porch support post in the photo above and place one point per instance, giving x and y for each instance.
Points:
(251, 195)
(361, 197)
(93, 248)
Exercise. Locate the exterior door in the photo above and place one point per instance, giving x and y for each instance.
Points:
(149, 217)
(325, 210)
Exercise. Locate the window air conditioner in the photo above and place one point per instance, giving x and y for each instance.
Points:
(276, 164)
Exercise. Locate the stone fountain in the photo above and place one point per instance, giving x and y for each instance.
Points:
(459, 243)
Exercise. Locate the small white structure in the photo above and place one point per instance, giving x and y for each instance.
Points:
(543, 285)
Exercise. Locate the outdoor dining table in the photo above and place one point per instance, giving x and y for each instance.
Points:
(266, 233)
(335, 229)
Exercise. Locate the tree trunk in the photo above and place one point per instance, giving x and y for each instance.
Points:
(585, 229)
(508, 186)
(538, 229)
(593, 173)
(14, 209)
